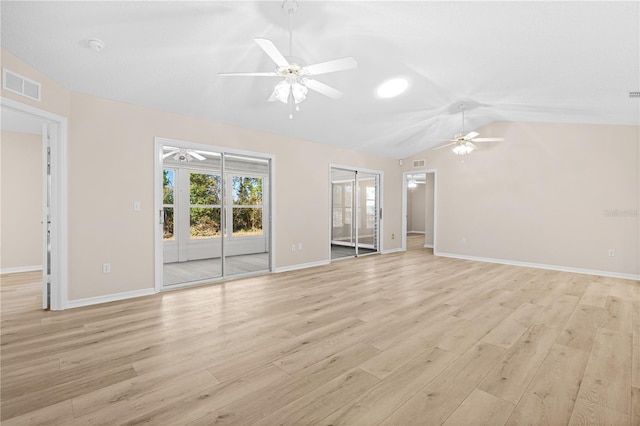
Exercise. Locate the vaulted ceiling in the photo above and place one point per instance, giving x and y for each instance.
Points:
(541, 61)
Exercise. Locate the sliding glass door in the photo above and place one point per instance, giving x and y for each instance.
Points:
(215, 215)
(354, 212)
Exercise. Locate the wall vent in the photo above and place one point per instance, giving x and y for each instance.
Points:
(418, 163)
(634, 94)
(21, 85)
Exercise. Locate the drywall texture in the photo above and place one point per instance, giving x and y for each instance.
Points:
(55, 98)
(554, 194)
(416, 208)
(111, 163)
(21, 206)
(428, 205)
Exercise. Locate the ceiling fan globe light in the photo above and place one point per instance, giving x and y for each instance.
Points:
(299, 92)
(281, 92)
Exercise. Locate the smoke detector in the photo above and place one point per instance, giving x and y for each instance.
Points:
(96, 44)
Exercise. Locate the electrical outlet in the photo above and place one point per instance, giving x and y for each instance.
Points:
(393, 236)
(106, 268)
(299, 246)
(612, 252)
(293, 247)
(137, 206)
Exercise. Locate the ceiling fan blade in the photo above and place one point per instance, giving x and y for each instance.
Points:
(196, 155)
(445, 145)
(271, 50)
(332, 66)
(488, 140)
(323, 88)
(169, 154)
(248, 74)
(471, 135)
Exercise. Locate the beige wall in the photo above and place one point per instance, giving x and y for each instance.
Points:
(428, 205)
(21, 205)
(111, 166)
(543, 196)
(416, 208)
(55, 98)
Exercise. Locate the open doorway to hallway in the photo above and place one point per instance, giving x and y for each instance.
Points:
(419, 201)
(34, 201)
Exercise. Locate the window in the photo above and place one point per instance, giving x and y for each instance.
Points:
(168, 204)
(204, 206)
(247, 206)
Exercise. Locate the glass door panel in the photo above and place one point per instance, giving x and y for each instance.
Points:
(192, 216)
(354, 213)
(368, 208)
(247, 246)
(343, 231)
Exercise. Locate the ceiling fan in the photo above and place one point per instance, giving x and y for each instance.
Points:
(464, 143)
(183, 155)
(296, 77)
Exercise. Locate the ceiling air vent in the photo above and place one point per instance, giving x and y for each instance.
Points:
(21, 85)
(418, 163)
(634, 94)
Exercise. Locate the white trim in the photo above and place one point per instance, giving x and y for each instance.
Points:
(20, 269)
(428, 246)
(415, 232)
(301, 266)
(542, 266)
(393, 250)
(110, 298)
(59, 200)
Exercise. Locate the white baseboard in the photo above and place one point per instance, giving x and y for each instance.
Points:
(415, 232)
(300, 266)
(109, 298)
(19, 269)
(428, 246)
(543, 266)
(393, 250)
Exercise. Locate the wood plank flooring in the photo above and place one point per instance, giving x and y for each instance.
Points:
(398, 339)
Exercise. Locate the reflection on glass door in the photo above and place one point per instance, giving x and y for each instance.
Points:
(354, 213)
(368, 212)
(215, 214)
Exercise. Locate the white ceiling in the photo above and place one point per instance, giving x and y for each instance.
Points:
(544, 61)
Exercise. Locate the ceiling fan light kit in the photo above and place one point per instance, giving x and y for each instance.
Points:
(296, 81)
(463, 143)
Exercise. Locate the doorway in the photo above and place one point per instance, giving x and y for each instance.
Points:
(419, 209)
(355, 212)
(50, 132)
(214, 211)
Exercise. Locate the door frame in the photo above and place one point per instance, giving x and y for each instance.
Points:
(404, 205)
(380, 173)
(158, 166)
(58, 131)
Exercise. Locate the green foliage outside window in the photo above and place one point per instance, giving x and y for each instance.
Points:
(247, 191)
(204, 190)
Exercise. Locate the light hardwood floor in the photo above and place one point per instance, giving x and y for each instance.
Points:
(405, 338)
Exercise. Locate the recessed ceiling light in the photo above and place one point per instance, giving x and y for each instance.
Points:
(392, 87)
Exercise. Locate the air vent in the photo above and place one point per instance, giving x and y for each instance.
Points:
(634, 94)
(418, 163)
(21, 85)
